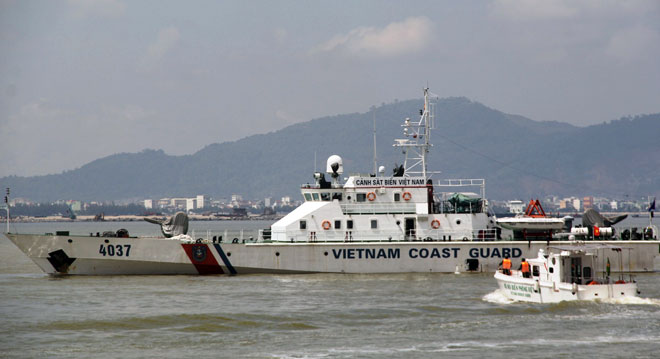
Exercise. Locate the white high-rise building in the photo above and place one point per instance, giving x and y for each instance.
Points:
(148, 204)
(576, 204)
(200, 201)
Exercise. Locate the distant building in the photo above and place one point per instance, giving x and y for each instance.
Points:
(200, 201)
(190, 204)
(286, 201)
(75, 205)
(515, 206)
(587, 203)
(179, 202)
(614, 205)
(576, 204)
(148, 204)
(267, 201)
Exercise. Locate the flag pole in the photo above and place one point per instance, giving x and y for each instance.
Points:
(7, 204)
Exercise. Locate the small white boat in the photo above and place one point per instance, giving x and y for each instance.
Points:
(574, 272)
(534, 219)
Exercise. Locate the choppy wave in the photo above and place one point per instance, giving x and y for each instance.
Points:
(632, 300)
(183, 322)
(497, 297)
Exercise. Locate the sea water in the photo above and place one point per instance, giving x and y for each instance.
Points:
(301, 316)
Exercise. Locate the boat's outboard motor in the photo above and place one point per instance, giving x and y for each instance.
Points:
(173, 226)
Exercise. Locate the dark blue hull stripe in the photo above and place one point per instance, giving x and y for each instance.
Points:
(224, 258)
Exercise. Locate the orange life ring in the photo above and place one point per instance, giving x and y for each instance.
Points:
(326, 225)
(406, 196)
(593, 282)
(620, 282)
(371, 196)
(435, 224)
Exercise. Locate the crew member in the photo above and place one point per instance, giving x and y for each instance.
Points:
(506, 265)
(524, 268)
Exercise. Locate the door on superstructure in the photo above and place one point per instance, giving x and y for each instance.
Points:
(410, 228)
(576, 270)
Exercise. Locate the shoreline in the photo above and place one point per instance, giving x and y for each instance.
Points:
(136, 218)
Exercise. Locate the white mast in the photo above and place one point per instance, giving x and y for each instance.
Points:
(417, 144)
(375, 160)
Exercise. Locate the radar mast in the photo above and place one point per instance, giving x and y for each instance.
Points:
(417, 143)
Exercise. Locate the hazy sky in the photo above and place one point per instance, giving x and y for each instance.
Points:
(83, 79)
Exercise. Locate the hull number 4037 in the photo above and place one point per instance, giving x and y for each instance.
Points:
(115, 250)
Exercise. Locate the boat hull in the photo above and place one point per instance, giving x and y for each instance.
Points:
(522, 289)
(82, 255)
(554, 224)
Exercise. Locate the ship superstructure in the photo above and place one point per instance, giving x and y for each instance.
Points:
(406, 206)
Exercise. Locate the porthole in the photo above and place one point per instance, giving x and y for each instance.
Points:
(458, 221)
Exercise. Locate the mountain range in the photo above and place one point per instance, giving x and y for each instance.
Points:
(518, 157)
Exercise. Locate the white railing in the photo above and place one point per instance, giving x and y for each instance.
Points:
(253, 236)
(384, 236)
(378, 208)
(232, 236)
(470, 182)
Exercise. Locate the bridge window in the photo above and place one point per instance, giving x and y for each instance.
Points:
(337, 196)
(308, 197)
(361, 197)
(316, 196)
(338, 224)
(535, 271)
(374, 224)
(325, 196)
(349, 224)
(303, 224)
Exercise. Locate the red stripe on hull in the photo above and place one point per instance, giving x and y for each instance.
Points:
(202, 258)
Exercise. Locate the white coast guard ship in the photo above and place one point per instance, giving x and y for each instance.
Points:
(407, 222)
